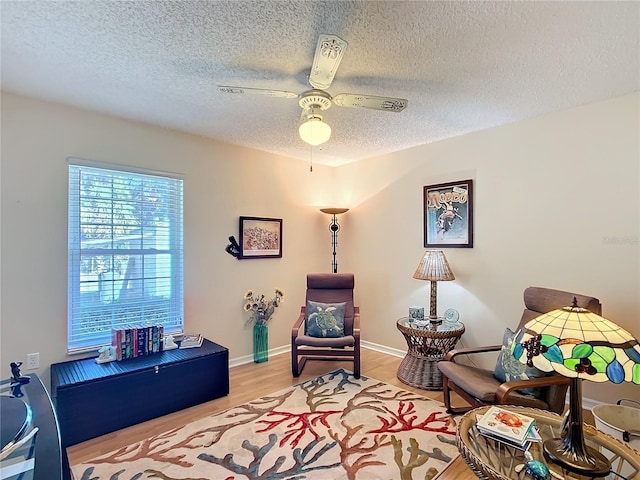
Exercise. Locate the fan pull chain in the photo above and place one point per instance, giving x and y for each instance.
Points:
(311, 159)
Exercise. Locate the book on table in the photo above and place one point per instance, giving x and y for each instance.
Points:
(504, 425)
(191, 340)
(532, 436)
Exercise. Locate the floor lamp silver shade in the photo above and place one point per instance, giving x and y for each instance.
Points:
(434, 267)
(581, 345)
(334, 228)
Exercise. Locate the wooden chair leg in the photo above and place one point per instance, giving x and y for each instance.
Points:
(446, 393)
(300, 364)
(295, 370)
(447, 388)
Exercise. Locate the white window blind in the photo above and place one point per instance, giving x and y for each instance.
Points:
(125, 253)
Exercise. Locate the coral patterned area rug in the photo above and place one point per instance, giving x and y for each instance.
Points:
(332, 427)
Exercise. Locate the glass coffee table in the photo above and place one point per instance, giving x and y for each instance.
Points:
(493, 460)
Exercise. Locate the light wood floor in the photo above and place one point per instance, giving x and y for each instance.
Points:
(251, 381)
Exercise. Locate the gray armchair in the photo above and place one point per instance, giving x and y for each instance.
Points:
(479, 386)
(332, 330)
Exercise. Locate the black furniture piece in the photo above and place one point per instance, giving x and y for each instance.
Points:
(93, 399)
(51, 461)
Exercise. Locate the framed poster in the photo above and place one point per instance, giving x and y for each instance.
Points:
(260, 237)
(448, 215)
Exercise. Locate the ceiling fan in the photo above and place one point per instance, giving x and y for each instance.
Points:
(312, 129)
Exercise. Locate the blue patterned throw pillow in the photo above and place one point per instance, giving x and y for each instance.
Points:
(325, 320)
(508, 368)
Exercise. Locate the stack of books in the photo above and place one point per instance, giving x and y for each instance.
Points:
(137, 340)
(505, 426)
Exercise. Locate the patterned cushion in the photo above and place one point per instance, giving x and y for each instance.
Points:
(508, 368)
(325, 320)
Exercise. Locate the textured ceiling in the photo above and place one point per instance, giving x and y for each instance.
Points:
(463, 66)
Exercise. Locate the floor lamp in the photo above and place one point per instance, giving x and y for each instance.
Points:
(334, 228)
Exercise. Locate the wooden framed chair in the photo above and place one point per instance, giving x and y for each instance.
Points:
(316, 334)
(479, 386)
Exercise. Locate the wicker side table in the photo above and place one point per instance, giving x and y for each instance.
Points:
(427, 346)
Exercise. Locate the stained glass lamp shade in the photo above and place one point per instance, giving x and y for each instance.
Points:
(581, 345)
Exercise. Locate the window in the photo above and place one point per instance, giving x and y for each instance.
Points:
(125, 252)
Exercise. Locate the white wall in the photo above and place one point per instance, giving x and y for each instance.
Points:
(556, 204)
(221, 183)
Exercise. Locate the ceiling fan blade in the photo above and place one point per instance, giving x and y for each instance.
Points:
(329, 52)
(257, 91)
(370, 101)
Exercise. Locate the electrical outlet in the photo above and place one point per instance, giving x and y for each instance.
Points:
(33, 361)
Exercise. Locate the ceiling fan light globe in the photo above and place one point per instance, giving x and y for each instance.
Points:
(314, 131)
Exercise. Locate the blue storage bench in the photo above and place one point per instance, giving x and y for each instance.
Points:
(93, 399)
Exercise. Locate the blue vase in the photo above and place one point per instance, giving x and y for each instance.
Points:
(260, 342)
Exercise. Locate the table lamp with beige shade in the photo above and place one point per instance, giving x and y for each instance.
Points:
(434, 267)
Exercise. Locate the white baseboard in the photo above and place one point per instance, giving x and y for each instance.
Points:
(587, 403)
(234, 362)
(384, 349)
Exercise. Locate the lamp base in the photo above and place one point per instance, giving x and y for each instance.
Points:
(435, 320)
(591, 464)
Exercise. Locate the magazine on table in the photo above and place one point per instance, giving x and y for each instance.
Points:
(191, 340)
(505, 425)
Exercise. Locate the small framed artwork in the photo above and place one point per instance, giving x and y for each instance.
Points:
(448, 215)
(260, 237)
